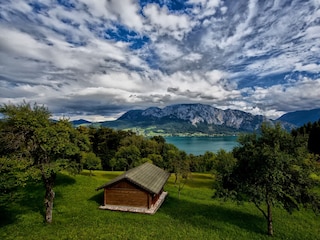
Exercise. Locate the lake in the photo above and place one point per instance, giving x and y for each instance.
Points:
(199, 145)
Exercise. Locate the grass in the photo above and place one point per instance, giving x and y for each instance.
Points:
(194, 216)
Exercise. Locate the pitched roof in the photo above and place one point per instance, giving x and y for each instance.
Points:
(147, 176)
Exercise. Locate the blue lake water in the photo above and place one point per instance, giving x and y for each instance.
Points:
(199, 145)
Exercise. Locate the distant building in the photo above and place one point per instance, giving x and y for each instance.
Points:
(137, 190)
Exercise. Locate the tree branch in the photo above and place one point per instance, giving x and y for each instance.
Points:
(261, 210)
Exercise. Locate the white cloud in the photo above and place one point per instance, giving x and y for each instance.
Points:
(205, 8)
(98, 8)
(313, 32)
(168, 51)
(162, 22)
(313, 68)
(192, 57)
(277, 99)
(16, 41)
(127, 11)
(243, 28)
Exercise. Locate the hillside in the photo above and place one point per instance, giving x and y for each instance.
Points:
(301, 117)
(194, 216)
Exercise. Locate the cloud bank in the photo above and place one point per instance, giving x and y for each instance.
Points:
(95, 59)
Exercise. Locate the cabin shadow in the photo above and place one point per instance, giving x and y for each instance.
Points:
(97, 198)
(210, 216)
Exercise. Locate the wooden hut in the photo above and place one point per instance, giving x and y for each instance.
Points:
(137, 190)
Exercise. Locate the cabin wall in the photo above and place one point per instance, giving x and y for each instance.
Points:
(156, 197)
(125, 193)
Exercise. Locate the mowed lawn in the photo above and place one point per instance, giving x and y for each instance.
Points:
(194, 216)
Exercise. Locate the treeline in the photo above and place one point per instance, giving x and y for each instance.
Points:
(311, 134)
(122, 150)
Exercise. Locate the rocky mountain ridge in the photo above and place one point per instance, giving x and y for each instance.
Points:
(190, 119)
(197, 114)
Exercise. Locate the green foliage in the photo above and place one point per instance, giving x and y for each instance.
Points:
(310, 131)
(224, 164)
(271, 169)
(127, 157)
(91, 161)
(28, 133)
(13, 175)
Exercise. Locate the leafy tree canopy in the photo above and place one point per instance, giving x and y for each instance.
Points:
(273, 168)
(27, 133)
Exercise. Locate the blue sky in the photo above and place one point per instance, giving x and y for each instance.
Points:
(96, 59)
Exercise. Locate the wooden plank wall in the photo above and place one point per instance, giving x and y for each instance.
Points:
(126, 194)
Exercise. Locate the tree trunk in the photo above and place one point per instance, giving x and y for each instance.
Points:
(270, 228)
(49, 196)
(176, 178)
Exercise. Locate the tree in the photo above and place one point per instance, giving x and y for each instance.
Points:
(50, 146)
(91, 162)
(180, 166)
(224, 164)
(314, 138)
(273, 168)
(310, 131)
(127, 157)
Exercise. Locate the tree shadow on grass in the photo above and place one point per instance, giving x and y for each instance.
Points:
(30, 198)
(88, 174)
(211, 216)
(64, 180)
(7, 216)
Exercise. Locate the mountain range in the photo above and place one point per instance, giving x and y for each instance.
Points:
(199, 119)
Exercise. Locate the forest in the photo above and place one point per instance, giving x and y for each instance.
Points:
(284, 167)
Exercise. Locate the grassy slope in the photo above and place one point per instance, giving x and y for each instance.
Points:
(194, 216)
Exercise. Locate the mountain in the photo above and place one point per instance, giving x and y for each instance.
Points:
(80, 122)
(301, 117)
(189, 119)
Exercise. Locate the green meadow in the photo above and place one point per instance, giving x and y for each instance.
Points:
(194, 216)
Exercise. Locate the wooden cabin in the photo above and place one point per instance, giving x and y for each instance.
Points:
(137, 190)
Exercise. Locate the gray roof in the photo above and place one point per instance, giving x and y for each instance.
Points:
(147, 176)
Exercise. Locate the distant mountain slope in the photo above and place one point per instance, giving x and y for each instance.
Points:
(301, 117)
(80, 122)
(190, 119)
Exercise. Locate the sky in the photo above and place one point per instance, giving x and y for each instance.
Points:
(96, 59)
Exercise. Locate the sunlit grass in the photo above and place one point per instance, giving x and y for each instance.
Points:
(194, 216)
